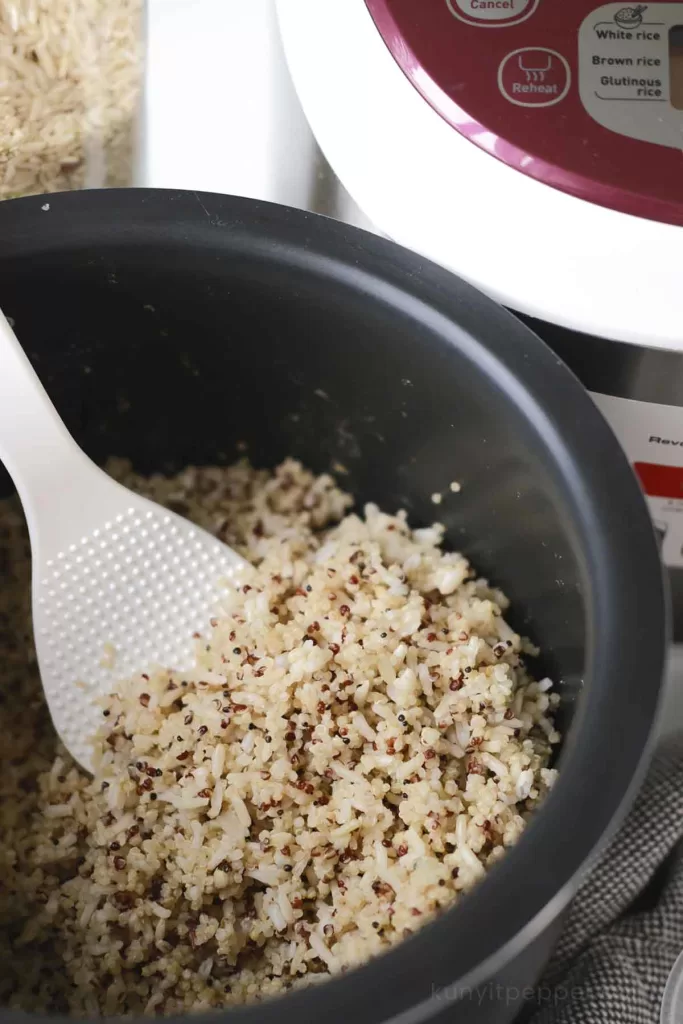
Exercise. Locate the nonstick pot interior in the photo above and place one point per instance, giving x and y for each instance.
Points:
(174, 328)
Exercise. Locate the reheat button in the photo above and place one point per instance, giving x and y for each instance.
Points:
(492, 13)
(534, 77)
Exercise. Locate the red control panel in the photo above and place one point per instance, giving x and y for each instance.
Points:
(586, 97)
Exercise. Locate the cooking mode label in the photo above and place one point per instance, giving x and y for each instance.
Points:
(631, 70)
(652, 437)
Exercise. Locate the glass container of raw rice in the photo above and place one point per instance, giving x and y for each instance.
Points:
(70, 88)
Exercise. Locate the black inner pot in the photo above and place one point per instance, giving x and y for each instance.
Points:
(169, 327)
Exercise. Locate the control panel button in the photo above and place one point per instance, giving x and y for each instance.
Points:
(534, 77)
(492, 13)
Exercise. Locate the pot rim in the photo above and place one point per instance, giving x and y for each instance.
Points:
(628, 616)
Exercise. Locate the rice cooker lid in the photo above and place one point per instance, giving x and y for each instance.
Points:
(586, 99)
(535, 148)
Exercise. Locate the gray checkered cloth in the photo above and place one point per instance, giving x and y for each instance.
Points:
(625, 927)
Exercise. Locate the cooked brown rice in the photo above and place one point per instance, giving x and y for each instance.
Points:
(69, 93)
(359, 741)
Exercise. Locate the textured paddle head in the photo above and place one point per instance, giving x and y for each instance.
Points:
(127, 594)
(119, 584)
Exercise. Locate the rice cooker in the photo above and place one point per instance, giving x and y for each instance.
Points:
(534, 148)
(156, 304)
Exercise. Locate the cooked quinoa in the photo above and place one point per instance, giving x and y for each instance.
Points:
(359, 740)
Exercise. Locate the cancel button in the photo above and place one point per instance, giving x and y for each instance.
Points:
(492, 12)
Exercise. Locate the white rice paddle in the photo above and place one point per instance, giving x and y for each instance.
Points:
(112, 572)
